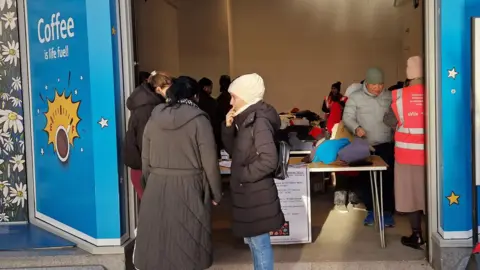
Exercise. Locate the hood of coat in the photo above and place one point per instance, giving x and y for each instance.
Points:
(143, 95)
(259, 110)
(175, 117)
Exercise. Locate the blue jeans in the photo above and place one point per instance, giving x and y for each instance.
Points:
(262, 252)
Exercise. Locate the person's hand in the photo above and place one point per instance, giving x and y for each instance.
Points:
(214, 203)
(360, 132)
(229, 118)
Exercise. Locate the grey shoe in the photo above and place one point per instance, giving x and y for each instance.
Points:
(353, 198)
(340, 198)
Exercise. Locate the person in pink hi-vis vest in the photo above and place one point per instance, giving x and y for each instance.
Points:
(408, 120)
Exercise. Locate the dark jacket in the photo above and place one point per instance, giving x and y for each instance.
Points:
(250, 142)
(141, 103)
(223, 107)
(181, 167)
(209, 105)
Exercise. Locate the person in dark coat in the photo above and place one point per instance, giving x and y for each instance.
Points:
(223, 103)
(223, 100)
(143, 77)
(248, 136)
(182, 175)
(141, 103)
(205, 100)
(209, 105)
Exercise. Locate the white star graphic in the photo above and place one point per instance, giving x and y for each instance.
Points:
(46, 87)
(75, 92)
(41, 151)
(452, 73)
(81, 149)
(38, 111)
(58, 79)
(103, 122)
(81, 78)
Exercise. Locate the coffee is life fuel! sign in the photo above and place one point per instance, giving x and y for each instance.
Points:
(61, 112)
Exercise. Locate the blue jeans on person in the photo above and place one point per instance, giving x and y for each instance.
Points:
(262, 252)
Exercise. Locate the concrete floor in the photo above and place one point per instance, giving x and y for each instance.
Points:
(340, 241)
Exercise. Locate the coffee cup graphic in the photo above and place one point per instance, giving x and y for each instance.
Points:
(61, 141)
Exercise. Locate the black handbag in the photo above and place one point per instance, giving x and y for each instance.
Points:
(283, 151)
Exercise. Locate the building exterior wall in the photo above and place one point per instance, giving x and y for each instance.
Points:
(455, 125)
(13, 182)
(453, 90)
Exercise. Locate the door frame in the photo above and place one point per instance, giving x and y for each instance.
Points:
(29, 157)
(129, 66)
(431, 48)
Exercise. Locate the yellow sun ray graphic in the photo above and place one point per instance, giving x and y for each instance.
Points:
(61, 127)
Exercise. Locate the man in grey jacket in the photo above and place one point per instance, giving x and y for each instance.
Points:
(363, 116)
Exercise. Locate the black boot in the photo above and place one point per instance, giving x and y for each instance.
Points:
(414, 241)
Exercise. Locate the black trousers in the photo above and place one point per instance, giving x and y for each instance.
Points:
(386, 152)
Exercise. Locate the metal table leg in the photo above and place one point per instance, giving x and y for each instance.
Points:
(379, 206)
(375, 215)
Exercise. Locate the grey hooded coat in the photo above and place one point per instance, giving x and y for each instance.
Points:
(180, 164)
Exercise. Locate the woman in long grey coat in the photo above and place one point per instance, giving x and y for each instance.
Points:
(180, 164)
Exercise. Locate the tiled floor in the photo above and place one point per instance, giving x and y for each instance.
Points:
(27, 237)
(410, 265)
(337, 238)
(340, 241)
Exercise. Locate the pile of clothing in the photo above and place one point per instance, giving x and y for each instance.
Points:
(345, 150)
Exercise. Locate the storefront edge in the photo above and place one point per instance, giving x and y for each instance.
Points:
(73, 114)
(455, 120)
(448, 59)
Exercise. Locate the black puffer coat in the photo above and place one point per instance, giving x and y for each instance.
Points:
(141, 103)
(250, 142)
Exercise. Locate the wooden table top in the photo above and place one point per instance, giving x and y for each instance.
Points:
(378, 165)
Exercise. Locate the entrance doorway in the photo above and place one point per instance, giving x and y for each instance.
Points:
(300, 48)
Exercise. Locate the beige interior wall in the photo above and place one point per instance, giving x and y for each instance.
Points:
(157, 32)
(412, 40)
(203, 39)
(300, 47)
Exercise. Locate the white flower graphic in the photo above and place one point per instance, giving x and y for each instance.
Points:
(11, 52)
(22, 145)
(4, 217)
(5, 96)
(17, 162)
(10, 20)
(8, 144)
(19, 194)
(3, 2)
(3, 136)
(17, 83)
(7, 202)
(11, 120)
(4, 188)
(16, 102)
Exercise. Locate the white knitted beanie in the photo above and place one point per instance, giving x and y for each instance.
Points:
(249, 87)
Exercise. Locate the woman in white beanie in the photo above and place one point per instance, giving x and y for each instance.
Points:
(248, 136)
